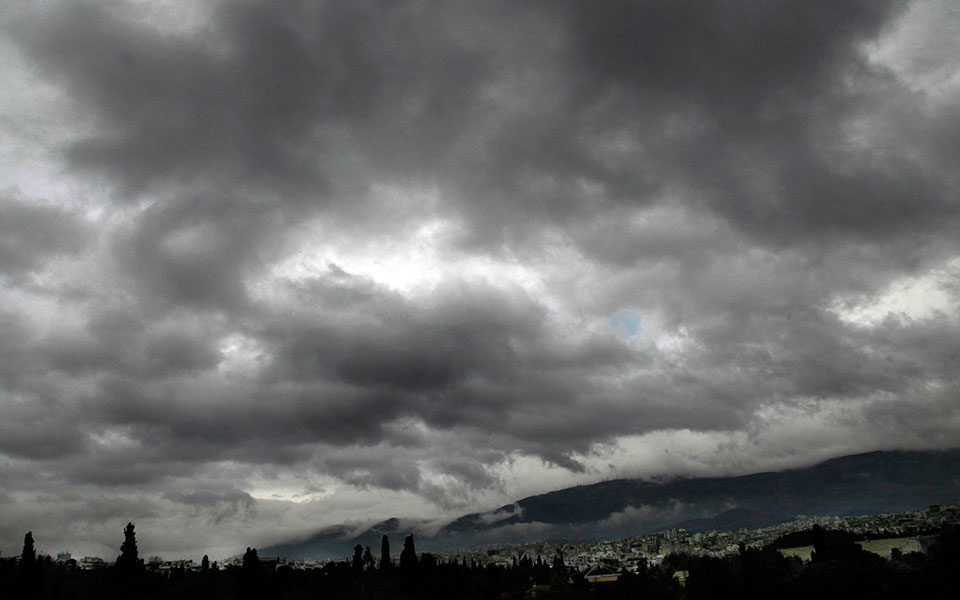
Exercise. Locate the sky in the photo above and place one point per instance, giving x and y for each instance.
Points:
(269, 267)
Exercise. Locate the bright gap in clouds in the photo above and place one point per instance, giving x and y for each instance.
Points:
(915, 297)
(241, 356)
(292, 486)
(412, 258)
(919, 47)
(626, 323)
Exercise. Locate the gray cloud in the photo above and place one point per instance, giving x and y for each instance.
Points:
(425, 257)
(32, 233)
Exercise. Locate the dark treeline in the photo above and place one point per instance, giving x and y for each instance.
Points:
(838, 569)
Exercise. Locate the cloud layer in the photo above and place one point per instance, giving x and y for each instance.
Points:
(270, 268)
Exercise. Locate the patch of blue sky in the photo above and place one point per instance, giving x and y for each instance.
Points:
(626, 323)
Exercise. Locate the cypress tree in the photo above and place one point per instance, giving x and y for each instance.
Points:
(358, 558)
(129, 559)
(385, 562)
(29, 554)
(408, 557)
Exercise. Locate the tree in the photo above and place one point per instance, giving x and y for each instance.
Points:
(205, 563)
(358, 558)
(129, 559)
(251, 580)
(385, 562)
(819, 543)
(29, 554)
(428, 561)
(408, 557)
(558, 565)
(251, 561)
(559, 571)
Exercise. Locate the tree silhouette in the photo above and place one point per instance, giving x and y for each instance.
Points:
(205, 563)
(819, 543)
(29, 554)
(251, 561)
(559, 572)
(408, 557)
(251, 580)
(129, 559)
(385, 553)
(358, 558)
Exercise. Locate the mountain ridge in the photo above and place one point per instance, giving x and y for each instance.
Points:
(868, 483)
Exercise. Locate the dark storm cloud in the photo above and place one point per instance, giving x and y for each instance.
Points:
(246, 100)
(451, 365)
(235, 497)
(726, 55)
(381, 338)
(475, 357)
(60, 435)
(32, 233)
(735, 104)
(738, 178)
(121, 341)
(195, 250)
(169, 107)
(15, 334)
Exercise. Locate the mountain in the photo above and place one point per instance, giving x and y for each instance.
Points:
(871, 483)
(339, 540)
(735, 518)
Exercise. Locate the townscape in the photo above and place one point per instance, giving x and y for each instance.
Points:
(879, 556)
(902, 530)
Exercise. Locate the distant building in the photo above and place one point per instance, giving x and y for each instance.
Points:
(271, 563)
(88, 563)
(601, 574)
(63, 557)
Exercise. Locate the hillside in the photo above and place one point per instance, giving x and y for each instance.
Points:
(871, 483)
